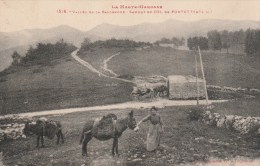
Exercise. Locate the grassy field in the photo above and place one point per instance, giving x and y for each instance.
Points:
(183, 141)
(98, 55)
(220, 69)
(64, 84)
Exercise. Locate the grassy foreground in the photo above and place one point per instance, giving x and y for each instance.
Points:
(183, 141)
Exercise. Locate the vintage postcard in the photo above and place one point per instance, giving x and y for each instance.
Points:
(129, 82)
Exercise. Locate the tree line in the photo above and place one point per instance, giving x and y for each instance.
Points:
(174, 40)
(217, 40)
(87, 44)
(43, 53)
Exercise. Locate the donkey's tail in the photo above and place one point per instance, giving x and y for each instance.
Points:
(83, 136)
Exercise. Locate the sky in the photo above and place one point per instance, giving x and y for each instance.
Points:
(16, 15)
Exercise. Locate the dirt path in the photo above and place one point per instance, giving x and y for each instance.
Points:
(105, 65)
(160, 103)
(90, 67)
(86, 64)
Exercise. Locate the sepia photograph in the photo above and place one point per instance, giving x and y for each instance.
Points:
(129, 83)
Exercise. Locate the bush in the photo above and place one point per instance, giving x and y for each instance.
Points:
(195, 113)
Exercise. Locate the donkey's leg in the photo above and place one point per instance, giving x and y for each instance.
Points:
(61, 135)
(86, 139)
(116, 138)
(42, 141)
(38, 141)
(58, 137)
(113, 146)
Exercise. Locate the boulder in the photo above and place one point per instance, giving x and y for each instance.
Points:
(230, 119)
(221, 122)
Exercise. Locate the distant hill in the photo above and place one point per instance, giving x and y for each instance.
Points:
(148, 32)
(5, 55)
(31, 36)
(154, 31)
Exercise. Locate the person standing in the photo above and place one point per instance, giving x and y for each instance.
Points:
(155, 129)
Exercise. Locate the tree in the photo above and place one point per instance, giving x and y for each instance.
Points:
(214, 40)
(178, 41)
(252, 41)
(16, 58)
(200, 41)
(86, 44)
(238, 37)
(225, 39)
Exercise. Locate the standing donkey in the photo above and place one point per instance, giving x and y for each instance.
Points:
(44, 128)
(120, 125)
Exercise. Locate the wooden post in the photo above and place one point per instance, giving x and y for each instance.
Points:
(196, 65)
(203, 75)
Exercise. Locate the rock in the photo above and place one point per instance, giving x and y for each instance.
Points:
(137, 159)
(221, 122)
(211, 117)
(213, 151)
(199, 138)
(196, 155)
(207, 112)
(238, 117)
(229, 121)
(143, 156)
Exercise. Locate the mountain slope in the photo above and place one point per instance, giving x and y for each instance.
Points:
(148, 32)
(154, 31)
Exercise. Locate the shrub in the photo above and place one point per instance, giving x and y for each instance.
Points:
(195, 113)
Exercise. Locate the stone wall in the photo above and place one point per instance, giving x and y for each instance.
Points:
(11, 126)
(149, 87)
(243, 125)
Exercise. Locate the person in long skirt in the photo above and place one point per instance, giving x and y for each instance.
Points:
(155, 129)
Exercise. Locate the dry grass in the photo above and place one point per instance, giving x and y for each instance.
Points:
(220, 69)
(63, 85)
(183, 141)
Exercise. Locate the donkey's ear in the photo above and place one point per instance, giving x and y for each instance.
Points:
(131, 113)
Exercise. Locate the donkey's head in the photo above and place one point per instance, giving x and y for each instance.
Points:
(131, 123)
(28, 128)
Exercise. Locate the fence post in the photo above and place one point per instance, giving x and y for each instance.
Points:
(196, 65)
(203, 75)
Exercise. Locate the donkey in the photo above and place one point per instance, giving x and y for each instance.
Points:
(160, 91)
(120, 126)
(44, 128)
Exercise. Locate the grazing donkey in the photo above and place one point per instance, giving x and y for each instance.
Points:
(44, 128)
(120, 125)
(160, 91)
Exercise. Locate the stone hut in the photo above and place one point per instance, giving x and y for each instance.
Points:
(185, 87)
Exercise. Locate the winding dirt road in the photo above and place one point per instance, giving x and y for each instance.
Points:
(105, 65)
(90, 67)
